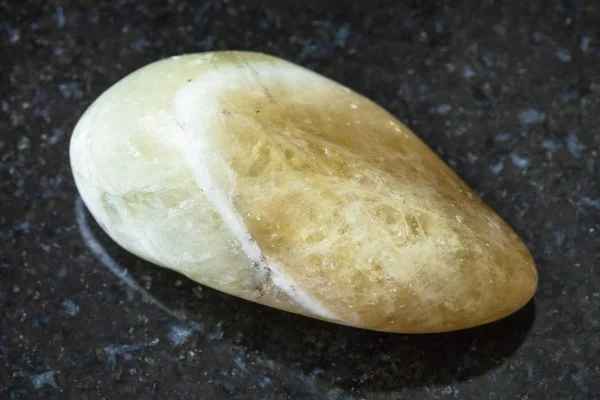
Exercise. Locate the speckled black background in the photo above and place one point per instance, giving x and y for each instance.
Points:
(507, 93)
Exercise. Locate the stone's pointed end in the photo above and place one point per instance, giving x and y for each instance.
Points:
(270, 182)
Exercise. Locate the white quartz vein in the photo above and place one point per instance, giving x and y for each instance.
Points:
(195, 104)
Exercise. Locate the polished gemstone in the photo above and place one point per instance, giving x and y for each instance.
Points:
(262, 179)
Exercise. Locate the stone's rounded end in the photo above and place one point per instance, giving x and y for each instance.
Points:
(267, 181)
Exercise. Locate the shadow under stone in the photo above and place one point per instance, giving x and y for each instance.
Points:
(309, 357)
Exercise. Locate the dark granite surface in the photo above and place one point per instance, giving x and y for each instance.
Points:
(508, 94)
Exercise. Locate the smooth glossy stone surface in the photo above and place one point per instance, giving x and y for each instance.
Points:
(267, 181)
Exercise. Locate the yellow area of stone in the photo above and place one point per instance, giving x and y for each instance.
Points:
(270, 182)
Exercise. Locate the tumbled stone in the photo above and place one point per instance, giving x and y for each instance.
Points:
(270, 182)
